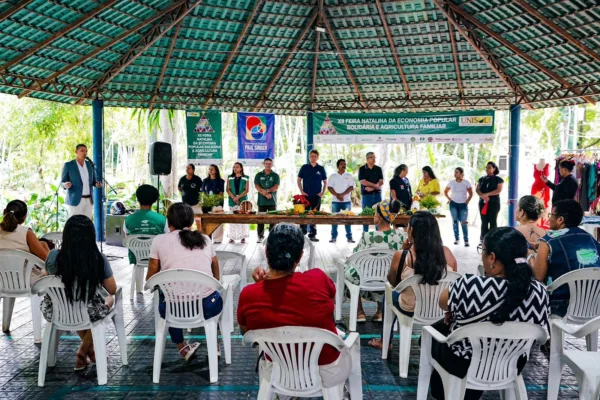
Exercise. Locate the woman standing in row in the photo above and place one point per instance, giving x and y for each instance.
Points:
(237, 189)
(428, 185)
(214, 184)
(461, 193)
(488, 189)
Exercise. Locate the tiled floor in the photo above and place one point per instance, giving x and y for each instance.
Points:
(19, 356)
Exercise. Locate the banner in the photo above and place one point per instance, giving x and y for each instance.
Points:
(204, 137)
(438, 127)
(256, 137)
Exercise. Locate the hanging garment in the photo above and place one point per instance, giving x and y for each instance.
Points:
(592, 182)
(583, 194)
(539, 188)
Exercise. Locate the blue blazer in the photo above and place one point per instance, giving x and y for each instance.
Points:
(70, 173)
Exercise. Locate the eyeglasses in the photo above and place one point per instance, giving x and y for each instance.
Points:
(555, 215)
(480, 249)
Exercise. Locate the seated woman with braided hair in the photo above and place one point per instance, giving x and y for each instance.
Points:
(473, 299)
(283, 297)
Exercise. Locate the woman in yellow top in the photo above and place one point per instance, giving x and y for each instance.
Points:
(428, 184)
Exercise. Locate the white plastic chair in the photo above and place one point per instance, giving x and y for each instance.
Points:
(55, 237)
(496, 350)
(585, 364)
(183, 291)
(295, 351)
(427, 311)
(231, 280)
(15, 282)
(74, 316)
(140, 247)
(309, 256)
(584, 306)
(372, 266)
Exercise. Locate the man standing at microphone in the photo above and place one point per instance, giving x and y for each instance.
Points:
(78, 177)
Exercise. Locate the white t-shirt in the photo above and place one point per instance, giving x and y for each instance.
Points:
(85, 178)
(340, 183)
(458, 191)
(172, 254)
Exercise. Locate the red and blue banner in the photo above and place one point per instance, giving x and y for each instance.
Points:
(256, 137)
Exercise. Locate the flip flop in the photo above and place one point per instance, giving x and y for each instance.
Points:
(190, 353)
(377, 319)
(80, 367)
(361, 319)
(377, 344)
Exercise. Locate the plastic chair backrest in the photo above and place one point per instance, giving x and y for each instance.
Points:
(183, 290)
(308, 259)
(584, 288)
(65, 315)
(372, 265)
(15, 276)
(225, 256)
(427, 297)
(55, 237)
(496, 350)
(140, 247)
(294, 351)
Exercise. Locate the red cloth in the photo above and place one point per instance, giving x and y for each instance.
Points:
(539, 188)
(485, 207)
(300, 299)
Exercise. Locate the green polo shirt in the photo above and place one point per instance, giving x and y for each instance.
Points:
(266, 182)
(145, 222)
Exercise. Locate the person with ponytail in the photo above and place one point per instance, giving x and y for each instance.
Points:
(424, 254)
(507, 292)
(183, 248)
(87, 276)
(529, 212)
(16, 236)
(385, 236)
(283, 297)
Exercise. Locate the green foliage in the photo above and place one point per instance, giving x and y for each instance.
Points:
(41, 213)
(367, 212)
(429, 202)
(211, 200)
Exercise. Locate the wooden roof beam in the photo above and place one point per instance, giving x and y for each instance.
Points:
(475, 41)
(57, 35)
(165, 65)
(558, 29)
(313, 85)
(291, 53)
(456, 65)
(232, 53)
(105, 46)
(13, 10)
(343, 58)
(494, 35)
(166, 23)
(390, 39)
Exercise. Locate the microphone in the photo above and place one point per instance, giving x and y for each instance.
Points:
(91, 162)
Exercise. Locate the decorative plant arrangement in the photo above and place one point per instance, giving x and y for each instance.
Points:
(208, 201)
(430, 203)
(300, 203)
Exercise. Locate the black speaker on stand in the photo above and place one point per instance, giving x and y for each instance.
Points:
(160, 162)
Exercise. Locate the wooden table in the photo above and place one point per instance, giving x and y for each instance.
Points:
(210, 222)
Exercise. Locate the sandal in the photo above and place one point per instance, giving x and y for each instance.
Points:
(231, 241)
(243, 241)
(188, 351)
(361, 317)
(81, 362)
(377, 318)
(378, 344)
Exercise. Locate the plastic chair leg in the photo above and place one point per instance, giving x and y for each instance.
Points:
(99, 337)
(243, 275)
(53, 347)
(555, 365)
(139, 281)
(159, 346)
(355, 378)
(454, 388)
(36, 318)
(333, 393)
(132, 286)
(588, 388)
(119, 322)
(406, 324)
(388, 320)
(354, 296)
(591, 341)
(43, 364)
(520, 389)
(229, 315)
(339, 294)
(226, 335)
(210, 327)
(425, 367)
(7, 311)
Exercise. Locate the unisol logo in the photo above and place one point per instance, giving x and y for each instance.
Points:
(476, 121)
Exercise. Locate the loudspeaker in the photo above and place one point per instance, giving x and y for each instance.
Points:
(160, 158)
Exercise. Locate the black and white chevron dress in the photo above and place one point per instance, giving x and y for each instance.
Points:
(471, 296)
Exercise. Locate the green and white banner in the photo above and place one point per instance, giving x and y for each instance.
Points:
(204, 137)
(438, 127)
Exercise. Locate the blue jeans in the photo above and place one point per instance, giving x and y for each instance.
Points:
(460, 213)
(368, 201)
(337, 207)
(211, 305)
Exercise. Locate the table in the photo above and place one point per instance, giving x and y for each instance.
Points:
(210, 222)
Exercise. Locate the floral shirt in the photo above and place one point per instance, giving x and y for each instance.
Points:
(391, 239)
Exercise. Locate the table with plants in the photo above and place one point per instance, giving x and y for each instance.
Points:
(297, 215)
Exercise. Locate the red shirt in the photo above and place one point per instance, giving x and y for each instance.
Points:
(299, 299)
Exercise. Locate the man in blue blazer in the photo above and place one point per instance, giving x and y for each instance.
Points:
(78, 178)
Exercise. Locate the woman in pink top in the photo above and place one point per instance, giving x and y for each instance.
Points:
(423, 254)
(183, 248)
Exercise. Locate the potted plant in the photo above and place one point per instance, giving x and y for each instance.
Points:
(208, 201)
(300, 203)
(430, 203)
